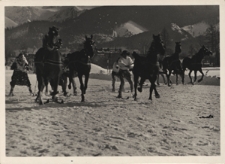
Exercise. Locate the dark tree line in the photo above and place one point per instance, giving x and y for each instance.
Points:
(211, 40)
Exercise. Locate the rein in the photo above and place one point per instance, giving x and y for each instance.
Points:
(77, 61)
(50, 62)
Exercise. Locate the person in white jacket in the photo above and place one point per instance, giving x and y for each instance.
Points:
(125, 64)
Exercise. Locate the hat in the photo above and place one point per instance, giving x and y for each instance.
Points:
(125, 52)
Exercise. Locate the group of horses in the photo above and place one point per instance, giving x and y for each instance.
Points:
(50, 66)
(154, 63)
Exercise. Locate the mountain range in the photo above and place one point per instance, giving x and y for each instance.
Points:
(131, 27)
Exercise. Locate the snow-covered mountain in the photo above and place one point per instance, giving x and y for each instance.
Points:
(21, 15)
(196, 29)
(128, 29)
(66, 13)
(9, 23)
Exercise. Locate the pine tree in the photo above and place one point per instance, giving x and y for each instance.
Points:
(212, 41)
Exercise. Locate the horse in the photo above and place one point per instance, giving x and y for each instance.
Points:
(194, 63)
(172, 63)
(79, 62)
(147, 67)
(49, 67)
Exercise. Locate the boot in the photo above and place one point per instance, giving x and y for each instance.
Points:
(11, 92)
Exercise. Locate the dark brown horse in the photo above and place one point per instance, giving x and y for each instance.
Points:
(49, 67)
(79, 62)
(147, 67)
(173, 63)
(195, 63)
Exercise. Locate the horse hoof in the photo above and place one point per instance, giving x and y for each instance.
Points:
(150, 98)
(41, 103)
(65, 94)
(69, 86)
(157, 96)
(59, 102)
(119, 96)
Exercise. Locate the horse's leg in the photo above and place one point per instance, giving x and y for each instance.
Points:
(152, 87)
(54, 84)
(64, 84)
(195, 71)
(70, 78)
(51, 82)
(121, 85)
(200, 70)
(74, 86)
(113, 81)
(176, 78)
(41, 86)
(86, 82)
(164, 80)
(46, 90)
(69, 85)
(158, 78)
(81, 86)
(182, 76)
(190, 76)
(135, 87)
(141, 84)
(168, 77)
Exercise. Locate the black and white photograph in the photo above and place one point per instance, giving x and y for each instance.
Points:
(133, 80)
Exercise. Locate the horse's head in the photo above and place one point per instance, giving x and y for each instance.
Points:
(204, 51)
(178, 47)
(207, 52)
(157, 45)
(89, 46)
(134, 54)
(53, 31)
(66, 60)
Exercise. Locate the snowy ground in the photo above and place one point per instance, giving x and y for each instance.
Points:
(107, 126)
